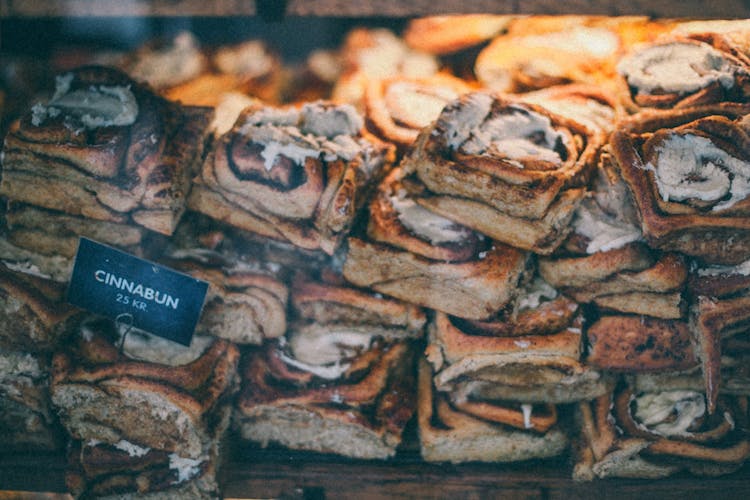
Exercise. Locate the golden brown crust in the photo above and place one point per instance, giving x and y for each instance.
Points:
(473, 289)
(398, 108)
(324, 303)
(272, 176)
(719, 235)
(139, 171)
(639, 344)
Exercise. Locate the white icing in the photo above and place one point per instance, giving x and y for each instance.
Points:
(676, 67)
(186, 468)
(146, 347)
(390, 56)
(90, 108)
(426, 224)
(537, 292)
(691, 166)
(325, 352)
(526, 409)
(742, 269)
(523, 344)
(294, 152)
(415, 104)
(669, 413)
(322, 346)
(603, 232)
(510, 136)
(462, 117)
(315, 130)
(131, 449)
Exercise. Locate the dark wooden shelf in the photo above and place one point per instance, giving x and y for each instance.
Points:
(274, 473)
(381, 8)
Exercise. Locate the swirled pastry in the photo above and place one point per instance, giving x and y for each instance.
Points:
(688, 173)
(398, 108)
(150, 392)
(499, 433)
(539, 52)
(681, 72)
(657, 425)
(361, 415)
(245, 303)
(295, 175)
(376, 54)
(341, 381)
(105, 148)
(508, 169)
(126, 470)
(529, 354)
(420, 257)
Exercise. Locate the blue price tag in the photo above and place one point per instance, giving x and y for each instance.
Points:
(159, 300)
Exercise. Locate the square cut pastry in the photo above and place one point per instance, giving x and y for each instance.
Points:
(107, 148)
(685, 70)
(720, 319)
(126, 388)
(34, 319)
(654, 426)
(688, 171)
(48, 239)
(498, 432)
(27, 421)
(246, 300)
(530, 353)
(342, 379)
(507, 169)
(416, 255)
(298, 175)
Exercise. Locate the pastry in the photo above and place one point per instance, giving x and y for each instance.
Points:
(542, 51)
(148, 391)
(719, 315)
(246, 301)
(415, 255)
(655, 426)
(687, 172)
(106, 148)
(294, 175)
(508, 169)
(342, 379)
(684, 71)
(376, 54)
(398, 108)
(509, 433)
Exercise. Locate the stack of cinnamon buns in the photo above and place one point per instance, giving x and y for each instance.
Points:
(529, 235)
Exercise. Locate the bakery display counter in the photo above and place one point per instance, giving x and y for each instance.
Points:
(384, 8)
(419, 257)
